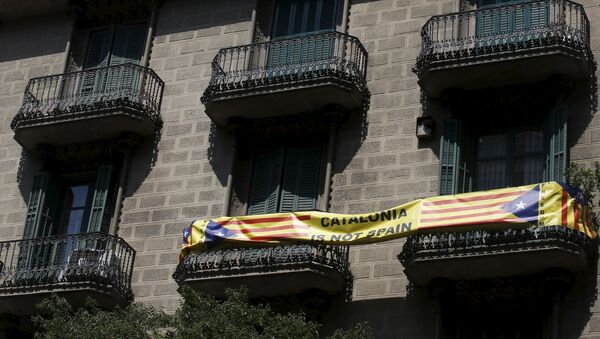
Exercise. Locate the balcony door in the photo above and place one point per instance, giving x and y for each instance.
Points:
(285, 180)
(112, 46)
(509, 21)
(62, 205)
(302, 21)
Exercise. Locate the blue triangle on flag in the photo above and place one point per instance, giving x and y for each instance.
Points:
(525, 206)
(216, 233)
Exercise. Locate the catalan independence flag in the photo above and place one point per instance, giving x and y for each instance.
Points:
(486, 207)
(539, 205)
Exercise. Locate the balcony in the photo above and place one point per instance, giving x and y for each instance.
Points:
(75, 267)
(516, 43)
(481, 254)
(267, 271)
(89, 105)
(319, 72)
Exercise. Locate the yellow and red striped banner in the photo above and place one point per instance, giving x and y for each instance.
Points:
(539, 205)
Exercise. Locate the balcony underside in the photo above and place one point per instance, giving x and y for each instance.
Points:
(269, 281)
(23, 301)
(300, 96)
(469, 72)
(267, 270)
(493, 254)
(77, 127)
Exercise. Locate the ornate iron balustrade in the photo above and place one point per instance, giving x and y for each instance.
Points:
(263, 259)
(485, 242)
(288, 60)
(84, 93)
(526, 26)
(65, 261)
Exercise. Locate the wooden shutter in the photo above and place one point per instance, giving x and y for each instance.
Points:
(96, 56)
(328, 16)
(456, 159)
(42, 206)
(128, 47)
(466, 160)
(265, 186)
(300, 184)
(555, 135)
(99, 201)
(98, 49)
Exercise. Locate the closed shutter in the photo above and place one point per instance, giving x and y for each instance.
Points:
(299, 18)
(456, 159)
(96, 56)
(556, 144)
(265, 187)
(99, 201)
(300, 187)
(327, 19)
(128, 47)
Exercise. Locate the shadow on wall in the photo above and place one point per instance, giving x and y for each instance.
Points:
(412, 316)
(578, 305)
(34, 37)
(189, 15)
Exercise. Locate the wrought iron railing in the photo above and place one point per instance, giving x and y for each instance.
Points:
(75, 94)
(288, 60)
(519, 26)
(200, 264)
(485, 242)
(67, 260)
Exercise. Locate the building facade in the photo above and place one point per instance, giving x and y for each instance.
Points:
(121, 123)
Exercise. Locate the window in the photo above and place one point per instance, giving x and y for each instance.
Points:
(297, 18)
(112, 46)
(115, 46)
(302, 17)
(69, 204)
(511, 156)
(285, 180)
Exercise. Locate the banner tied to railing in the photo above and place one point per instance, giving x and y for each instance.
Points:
(539, 205)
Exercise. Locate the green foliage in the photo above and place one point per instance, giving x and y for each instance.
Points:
(199, 316)
(57, 320)
(588, 181)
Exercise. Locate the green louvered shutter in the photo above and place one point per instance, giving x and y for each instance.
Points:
(556, 144)
(300, 184)
(97, 55)
(40, 222)
(466, 148)
(99, 201)
(456, 159)
(128, 47)
(42, 206)
(278, 52)
(265, 187)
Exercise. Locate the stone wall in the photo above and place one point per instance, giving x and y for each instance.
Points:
(29, 48)
(185, 180)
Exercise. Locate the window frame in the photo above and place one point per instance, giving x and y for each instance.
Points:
(280, 187)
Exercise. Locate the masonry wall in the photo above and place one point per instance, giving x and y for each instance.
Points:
(185, 180)
(28, 48)
(379, 162)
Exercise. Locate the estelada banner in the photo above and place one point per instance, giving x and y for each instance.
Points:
(539, 205)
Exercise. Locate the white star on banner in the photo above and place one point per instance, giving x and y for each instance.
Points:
(520, 205)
